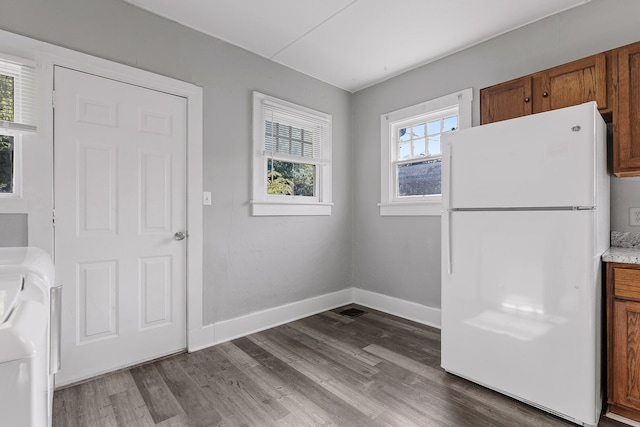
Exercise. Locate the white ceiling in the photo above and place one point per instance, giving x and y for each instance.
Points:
(353, 44)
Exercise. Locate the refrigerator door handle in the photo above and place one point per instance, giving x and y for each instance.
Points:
(449, 186)
(449, 250)
(55, 322)
(447, 203)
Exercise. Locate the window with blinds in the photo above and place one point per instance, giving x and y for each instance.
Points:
(292, 163)
(17, 114)
(17, 94)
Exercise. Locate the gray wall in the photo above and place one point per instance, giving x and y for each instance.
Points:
(250, 263)
(400, 257)
(13, 230)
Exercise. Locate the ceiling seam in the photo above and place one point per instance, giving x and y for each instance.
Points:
(313, 29)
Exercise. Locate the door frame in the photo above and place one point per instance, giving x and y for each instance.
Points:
(39, 205)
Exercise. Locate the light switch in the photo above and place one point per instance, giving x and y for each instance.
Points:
(634, 216)
(206, 198)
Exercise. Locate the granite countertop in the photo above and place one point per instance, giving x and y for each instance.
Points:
(625, 248)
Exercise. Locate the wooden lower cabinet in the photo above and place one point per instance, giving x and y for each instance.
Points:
(623, 339)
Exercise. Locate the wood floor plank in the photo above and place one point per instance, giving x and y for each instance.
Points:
(86, 404)
(303, 411)
(350, 356)
(159, 399)
(130, 409)
(237, 386)
(321, 371)
(340, 414)
(336, 318)
(194, 403)
(227, 404)
(181, 420)
(119, 381)
(66, 407)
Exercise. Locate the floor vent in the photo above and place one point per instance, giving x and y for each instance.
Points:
(352, 312)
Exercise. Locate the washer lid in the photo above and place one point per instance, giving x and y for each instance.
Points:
(27, 260)
(10, 288)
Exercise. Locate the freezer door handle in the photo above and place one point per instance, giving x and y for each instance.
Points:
(55, 322)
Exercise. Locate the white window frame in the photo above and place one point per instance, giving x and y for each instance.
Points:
(17, 164)
(263, 204)
(430, 205)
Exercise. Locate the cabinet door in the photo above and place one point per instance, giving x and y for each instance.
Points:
(570, 84)
(626, 354)
(626, 149)
(506, 100)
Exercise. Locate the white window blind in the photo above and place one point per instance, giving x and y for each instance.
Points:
(17, 93)
(293, 135)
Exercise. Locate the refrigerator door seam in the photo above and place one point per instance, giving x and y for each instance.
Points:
(525, 209)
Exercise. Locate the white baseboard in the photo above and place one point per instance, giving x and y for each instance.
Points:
(201, 338)
(398, 307)
(228, 330)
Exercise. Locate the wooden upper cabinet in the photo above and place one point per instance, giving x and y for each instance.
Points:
(506, 100)
(626, 133)
(570, 84)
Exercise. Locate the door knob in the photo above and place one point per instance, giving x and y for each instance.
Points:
(180, 235)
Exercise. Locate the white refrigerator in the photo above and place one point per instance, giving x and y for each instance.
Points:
(525, 221)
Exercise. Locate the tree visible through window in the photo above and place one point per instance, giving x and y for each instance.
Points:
(6, 164)
(7, 98)
(293, 179)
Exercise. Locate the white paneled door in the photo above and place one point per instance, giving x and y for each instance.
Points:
(120, 215)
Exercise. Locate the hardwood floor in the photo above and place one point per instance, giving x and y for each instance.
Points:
(324, 370)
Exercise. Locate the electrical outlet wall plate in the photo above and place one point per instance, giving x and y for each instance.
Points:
(634, 216)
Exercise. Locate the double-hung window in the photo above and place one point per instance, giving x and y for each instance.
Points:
(412, 155)
(292, 159)
(17, 114)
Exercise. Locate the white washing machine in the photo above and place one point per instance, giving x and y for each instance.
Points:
(29, 337)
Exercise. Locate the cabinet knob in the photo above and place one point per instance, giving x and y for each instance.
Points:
(545, 94)
(527, 99)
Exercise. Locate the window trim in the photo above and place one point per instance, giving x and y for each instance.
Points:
(17, 165)
(427, 205)
(263, 204)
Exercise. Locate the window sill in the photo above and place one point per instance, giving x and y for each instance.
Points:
(290, 209)
(410, 209)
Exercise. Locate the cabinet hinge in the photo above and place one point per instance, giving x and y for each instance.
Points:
(53, 217)
(53, 99)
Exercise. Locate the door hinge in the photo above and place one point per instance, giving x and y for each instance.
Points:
(53, 99)
(53, 218)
